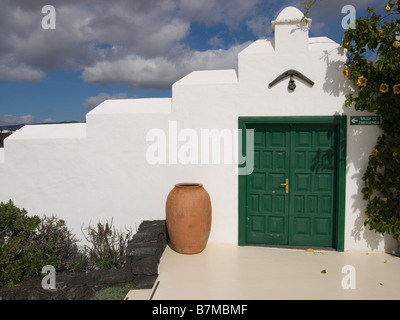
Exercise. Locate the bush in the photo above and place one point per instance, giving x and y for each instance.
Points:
(108, 246)
(29, 243)
(58, 246)
(373, 63)
(18, 255)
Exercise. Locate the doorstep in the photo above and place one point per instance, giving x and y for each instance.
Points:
(230, 272)
(138, 294)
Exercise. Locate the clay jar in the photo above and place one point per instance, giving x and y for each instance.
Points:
(188, 218)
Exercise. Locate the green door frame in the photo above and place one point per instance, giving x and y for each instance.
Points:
(340, 123)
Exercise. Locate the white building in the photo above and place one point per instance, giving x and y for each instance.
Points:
(129, 154)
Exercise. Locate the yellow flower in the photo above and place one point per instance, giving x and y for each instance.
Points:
(396, 89)
(362, 82)
(374, 152)
(384, 199)
(345, 72)
(384, 88)
(387, 8)
(394, 154)
(380, 32)
(396, 44)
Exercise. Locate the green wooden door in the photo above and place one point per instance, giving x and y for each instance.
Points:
(291, 192)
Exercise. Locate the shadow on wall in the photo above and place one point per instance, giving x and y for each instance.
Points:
(337, 85)
(361, 152)
(359, 205)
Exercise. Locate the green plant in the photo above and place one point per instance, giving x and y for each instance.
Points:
(18, 257)
(113, 293)
(373, 65)
(108, 246)
(58, 246)
(15, 222)
(29, 243)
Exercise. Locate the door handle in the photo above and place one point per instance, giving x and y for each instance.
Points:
(286, 185)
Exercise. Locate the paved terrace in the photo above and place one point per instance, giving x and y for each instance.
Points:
(230, 272)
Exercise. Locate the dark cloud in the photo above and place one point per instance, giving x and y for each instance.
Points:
(137, 42)
(92, 102)
(229, 12)
(140, 42)
(160, 72)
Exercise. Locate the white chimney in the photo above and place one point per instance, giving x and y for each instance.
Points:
(291, 30)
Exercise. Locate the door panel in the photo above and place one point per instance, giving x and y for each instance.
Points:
(267, 216)
(303, 154)
(311, 218)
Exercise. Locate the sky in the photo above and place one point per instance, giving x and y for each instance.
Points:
(57, 65)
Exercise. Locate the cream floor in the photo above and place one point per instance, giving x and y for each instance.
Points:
(230, 272)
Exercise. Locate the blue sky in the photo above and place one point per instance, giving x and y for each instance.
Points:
(103, 49)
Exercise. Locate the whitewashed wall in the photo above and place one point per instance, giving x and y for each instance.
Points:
(85, 173)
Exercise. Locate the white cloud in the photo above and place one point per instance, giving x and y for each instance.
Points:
(20, 72)
(148, 28)
(216, 42)
(210, 12)
(260, 26)
(92, 102)
(160, 72)
(9, 119)
(141, 42)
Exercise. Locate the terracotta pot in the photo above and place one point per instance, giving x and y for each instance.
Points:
(188, 217)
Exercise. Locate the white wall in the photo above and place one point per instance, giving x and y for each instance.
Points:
(95, 171)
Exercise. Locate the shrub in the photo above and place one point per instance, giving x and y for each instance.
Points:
(58, 246)
(373, 64)
(108, 246)
(29, 243)
(18, 255)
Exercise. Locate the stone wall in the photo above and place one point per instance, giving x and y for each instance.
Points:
(141, 269)
(144, 252)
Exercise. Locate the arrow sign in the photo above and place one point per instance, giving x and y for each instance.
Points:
(365, 121)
